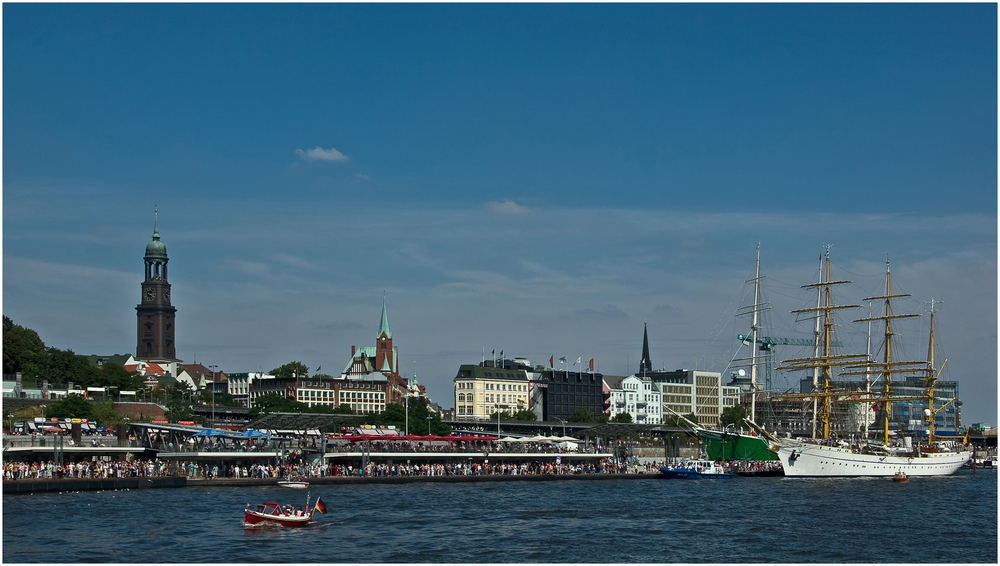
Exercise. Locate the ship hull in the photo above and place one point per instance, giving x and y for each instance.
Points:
(812, 460)
(732, 446)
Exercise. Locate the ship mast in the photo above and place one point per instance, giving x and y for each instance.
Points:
(817, 336)
(825, 360)
(753, 344)
(931, 381)
(888, 366)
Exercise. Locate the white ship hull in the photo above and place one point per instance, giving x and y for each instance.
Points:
(813, 460)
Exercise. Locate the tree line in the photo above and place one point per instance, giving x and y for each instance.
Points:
(24, 352)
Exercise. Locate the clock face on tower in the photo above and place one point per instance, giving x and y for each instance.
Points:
(149, 294)
(166, 294)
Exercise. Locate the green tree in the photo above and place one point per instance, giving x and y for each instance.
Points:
(525, 415)
(179, 409)
(72, 406)
(64, 366)
(22, 348)
(104, 413)
(291, 369)
(394, 414)
(116, 376)
(733, 415)
(218, 399)
(581, 415)
(275, 403)
(342, 410)
(418, 411)
(674, 420)
(621, 418)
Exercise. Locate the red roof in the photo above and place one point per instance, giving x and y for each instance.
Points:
(151, 368)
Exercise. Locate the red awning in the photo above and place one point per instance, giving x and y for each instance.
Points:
(425, 438)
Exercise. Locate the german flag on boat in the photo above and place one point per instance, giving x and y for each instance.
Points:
(319, 506)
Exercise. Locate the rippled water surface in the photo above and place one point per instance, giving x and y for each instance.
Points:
(938, 520)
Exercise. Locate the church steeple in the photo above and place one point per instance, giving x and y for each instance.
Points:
(155, 334)
(385, 354)
(645, 365)
(383, 327)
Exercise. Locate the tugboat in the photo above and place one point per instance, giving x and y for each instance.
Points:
(695, 469)
(900, 477)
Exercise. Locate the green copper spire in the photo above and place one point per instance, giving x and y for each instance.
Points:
(383, 327)
(155, 248)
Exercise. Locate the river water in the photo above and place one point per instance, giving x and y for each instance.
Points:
(929, 520)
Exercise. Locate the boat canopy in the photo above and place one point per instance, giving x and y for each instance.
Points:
(215, 433)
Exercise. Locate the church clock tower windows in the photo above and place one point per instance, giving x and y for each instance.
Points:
(155, 315)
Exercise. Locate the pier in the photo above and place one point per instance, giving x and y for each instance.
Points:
(118, 484)
(109, 484)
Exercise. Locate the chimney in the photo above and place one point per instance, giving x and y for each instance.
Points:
(352, 350)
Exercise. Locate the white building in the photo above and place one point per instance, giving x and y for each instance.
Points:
(238, 385)
(637, 396)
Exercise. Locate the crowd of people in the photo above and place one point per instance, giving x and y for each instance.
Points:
(100, 469)
(95, 469)
(342, 446)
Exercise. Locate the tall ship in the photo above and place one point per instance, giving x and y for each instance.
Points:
(732, 443)
(858, 456)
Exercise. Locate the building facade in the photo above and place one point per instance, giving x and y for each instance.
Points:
(483, 391)
(696, 392)
(562, 392)
(155, 315)
(365, 394)
(637, 396)
(315, 392)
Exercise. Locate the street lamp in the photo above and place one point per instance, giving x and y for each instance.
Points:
(429, 426)
(564, 424)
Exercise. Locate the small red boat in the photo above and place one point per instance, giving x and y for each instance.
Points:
(272, 513)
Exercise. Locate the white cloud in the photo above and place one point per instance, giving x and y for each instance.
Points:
(319, 154)
(293, 261)
(507, 207)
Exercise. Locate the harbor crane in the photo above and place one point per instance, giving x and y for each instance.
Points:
(767, 344)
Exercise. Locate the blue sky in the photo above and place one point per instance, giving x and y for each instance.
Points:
(541, 178)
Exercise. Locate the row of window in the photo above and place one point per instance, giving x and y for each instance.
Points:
(492, 386)
(491, 398)
(345, 396)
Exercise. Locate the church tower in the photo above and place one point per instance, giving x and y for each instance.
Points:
(385, 360)
(645, 365)
(155, 335)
